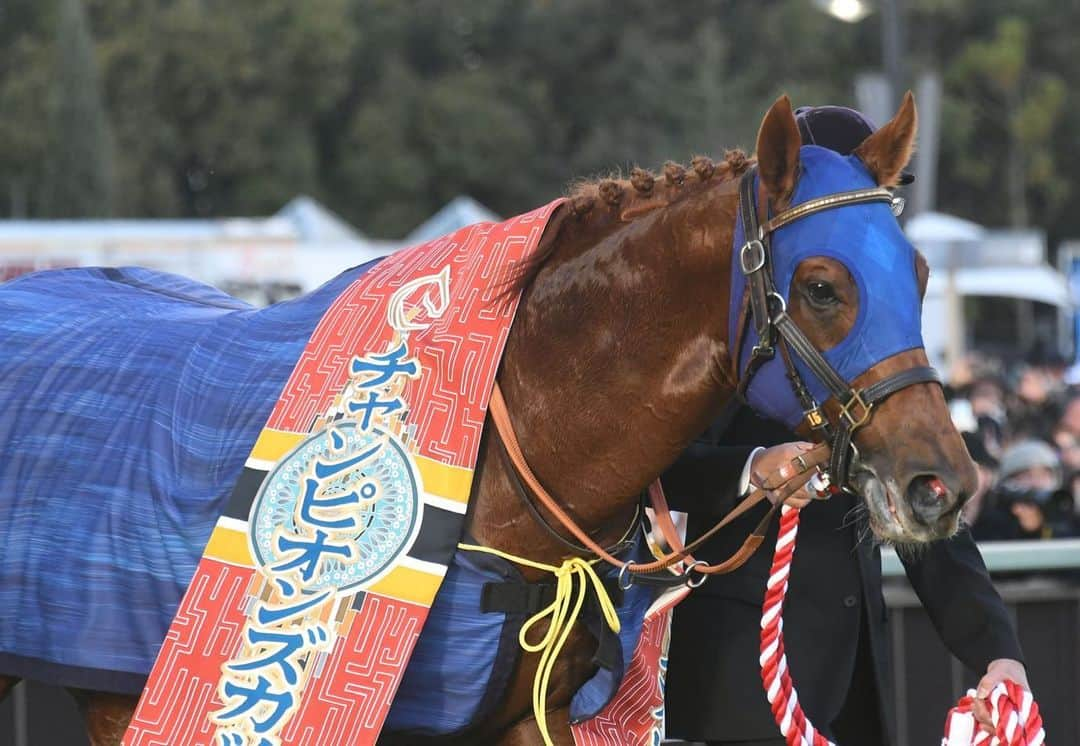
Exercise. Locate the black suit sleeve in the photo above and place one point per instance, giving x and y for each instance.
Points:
(704, 480)
(954, 586)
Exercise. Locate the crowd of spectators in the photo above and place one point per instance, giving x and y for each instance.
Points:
(1022, 428)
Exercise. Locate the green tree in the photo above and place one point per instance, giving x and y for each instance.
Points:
(78, 174)
(218, 104)
(26, 64)
(385, 109)
(999, 97)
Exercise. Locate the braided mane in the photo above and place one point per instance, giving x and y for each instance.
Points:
(622, 200)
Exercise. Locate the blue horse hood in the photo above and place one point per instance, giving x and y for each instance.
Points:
(867, 240)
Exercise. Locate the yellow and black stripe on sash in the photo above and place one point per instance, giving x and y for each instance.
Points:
(416, 576)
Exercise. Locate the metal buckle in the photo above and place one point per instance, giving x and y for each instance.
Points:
(752, 256)
(856, 400)
(622, 573)
(773, 295)
(897, 206)
(703, 577)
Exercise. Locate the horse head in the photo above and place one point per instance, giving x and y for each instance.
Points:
(850, 281)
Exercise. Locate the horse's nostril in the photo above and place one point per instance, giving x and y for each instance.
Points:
(937, 487)
(928, 497)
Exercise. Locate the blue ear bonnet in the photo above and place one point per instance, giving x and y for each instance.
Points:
(867, 240)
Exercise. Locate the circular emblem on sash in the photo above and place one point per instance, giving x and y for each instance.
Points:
(337, 511)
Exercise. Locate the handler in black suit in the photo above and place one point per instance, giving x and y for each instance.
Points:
(835, 616)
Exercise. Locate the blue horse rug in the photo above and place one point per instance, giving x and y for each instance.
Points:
(130, 400)
(104, 515)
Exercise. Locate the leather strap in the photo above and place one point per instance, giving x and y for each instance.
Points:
(753, 261)
(886, 387)
(671, 535)
(828, 202)
(809, 354)
(501, 417)
(878, 391)
(574, 547)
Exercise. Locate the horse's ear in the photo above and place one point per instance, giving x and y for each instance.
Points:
(887, 151)
(778, 145)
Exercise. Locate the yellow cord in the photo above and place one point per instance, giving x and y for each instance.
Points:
(563, 612)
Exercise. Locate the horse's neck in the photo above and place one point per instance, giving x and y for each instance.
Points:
(618, 358)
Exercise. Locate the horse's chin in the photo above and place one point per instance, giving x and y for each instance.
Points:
(887, 513)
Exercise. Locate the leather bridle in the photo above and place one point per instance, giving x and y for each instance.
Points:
(775, 331)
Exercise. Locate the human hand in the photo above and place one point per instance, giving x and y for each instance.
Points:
(998, 671)
(784, 471)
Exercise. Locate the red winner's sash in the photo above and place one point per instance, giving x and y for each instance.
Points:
(312, 591)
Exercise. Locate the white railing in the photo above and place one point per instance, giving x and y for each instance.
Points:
(1009, 556)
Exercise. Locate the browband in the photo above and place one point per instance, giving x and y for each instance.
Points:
(829, 201)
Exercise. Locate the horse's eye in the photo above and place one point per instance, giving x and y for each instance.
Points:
(822, 293)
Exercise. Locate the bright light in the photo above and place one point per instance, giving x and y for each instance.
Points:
(849, 11)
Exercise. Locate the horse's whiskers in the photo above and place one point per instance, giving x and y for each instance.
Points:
(851, 517)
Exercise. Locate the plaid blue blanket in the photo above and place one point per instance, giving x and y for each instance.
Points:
(129, 400)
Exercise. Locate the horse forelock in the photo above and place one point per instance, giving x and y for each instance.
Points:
(619, 200)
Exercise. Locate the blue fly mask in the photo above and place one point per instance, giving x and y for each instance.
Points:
(837, 211)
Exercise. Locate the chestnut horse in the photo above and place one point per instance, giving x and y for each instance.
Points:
(622, 353)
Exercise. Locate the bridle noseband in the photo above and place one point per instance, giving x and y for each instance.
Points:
(777, 330)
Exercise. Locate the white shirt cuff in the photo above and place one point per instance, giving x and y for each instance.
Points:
(744, 480)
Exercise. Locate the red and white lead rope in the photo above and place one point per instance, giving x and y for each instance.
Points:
(1015, 714)
(1013, 710)
(779, 689)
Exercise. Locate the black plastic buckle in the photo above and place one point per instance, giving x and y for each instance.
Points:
(763, 351)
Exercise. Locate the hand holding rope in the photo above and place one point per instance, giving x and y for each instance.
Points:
(1014, 713)
(1012, 708)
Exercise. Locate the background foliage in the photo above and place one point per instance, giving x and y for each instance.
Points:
(385, 109)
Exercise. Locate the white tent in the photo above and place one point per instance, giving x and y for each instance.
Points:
(976, 262)
(1040, 283)
(459, 212)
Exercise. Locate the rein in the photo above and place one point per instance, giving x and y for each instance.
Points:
(642, 572)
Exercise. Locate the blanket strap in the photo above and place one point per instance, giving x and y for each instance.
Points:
(573, 579)
(520, 597)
